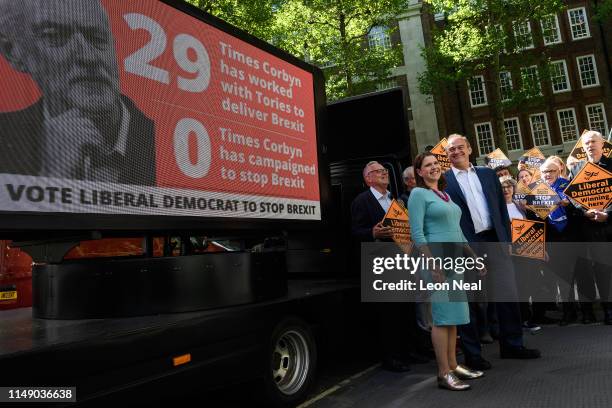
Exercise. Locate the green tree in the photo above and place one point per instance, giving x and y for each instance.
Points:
(603, 11)
(333, 34)
(256, 17)
(481, 35)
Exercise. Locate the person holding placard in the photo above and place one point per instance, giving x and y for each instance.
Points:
(561, 261)
(368, 210)
(527, 270)
(594, 226)
(434, 218)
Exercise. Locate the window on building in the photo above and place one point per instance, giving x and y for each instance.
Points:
(539, 129)
(379, 37)
(513, 134)
(522, 35)
(550, 30)
(579, 25)
(484, 136)
(588, 71)
(505, 85)
(531, 80)
(478, 94)
(596, 115)
(558, 77)
(386, 84)
(568, 125)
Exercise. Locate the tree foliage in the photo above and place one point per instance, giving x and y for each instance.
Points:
(329, 33)
(333, 34)
(256, 17)
(479, 35)
(603, 12)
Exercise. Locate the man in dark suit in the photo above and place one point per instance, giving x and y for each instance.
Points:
(593, 226)
(369, 208)
(82, 127)
(484, 219)
(397, 320)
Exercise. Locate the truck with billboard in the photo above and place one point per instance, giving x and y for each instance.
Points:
(169, 175)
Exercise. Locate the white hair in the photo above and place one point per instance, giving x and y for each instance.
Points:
(367, 166)
(406, 171)
(592, 133)
(551, 160)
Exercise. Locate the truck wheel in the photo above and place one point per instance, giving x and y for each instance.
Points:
(291, 364)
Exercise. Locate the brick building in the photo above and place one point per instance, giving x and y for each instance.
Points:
(574, 97)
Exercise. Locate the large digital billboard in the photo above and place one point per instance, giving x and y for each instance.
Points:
(137, 108)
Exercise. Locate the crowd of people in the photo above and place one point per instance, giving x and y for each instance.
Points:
(472, 206)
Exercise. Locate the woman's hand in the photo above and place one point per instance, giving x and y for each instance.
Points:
(438, 275)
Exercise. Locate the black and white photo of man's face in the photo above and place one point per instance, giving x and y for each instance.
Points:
(67, 48)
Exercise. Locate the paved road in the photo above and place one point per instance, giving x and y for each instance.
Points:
(575, 371)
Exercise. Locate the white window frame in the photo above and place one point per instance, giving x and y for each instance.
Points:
(576, 130)
(556, 20)
(378, 36)
(478, 137)
(537, 76)
(514, 25)
(386, 84)
(586, 23)
(501, 96)
(547, 128)
(594, 69)
(484, 91)
(518, 128)
(603, 111)
(565, 73)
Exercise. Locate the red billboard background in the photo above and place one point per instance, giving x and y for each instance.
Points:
(194, 80)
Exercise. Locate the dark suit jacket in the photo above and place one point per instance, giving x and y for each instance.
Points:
(21, 141)
(365, 213)
(494, 198)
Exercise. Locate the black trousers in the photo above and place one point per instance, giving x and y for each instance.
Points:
(397, 329)
(501, 285)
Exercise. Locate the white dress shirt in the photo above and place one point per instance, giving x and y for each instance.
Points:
(383, 199)
(514, 212)
(477, 203)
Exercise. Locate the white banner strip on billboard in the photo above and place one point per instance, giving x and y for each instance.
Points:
(41, 194)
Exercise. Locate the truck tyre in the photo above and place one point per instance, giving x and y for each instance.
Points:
(291, 362)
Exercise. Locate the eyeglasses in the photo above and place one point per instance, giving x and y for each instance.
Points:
(379, 171)
(548, 171)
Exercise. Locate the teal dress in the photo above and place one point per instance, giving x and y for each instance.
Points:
(434, 220)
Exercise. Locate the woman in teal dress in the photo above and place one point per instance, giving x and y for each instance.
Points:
(434, 218)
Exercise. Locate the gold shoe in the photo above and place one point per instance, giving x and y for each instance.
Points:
(451, 382)
(464, 373)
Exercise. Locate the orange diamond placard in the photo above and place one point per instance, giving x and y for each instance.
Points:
(528, 238)
(579, 154)
(496, 159)
(542, 199)
(591, 188)
(440, 153)
(521, 190)
(397, 218)
(532, 159)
